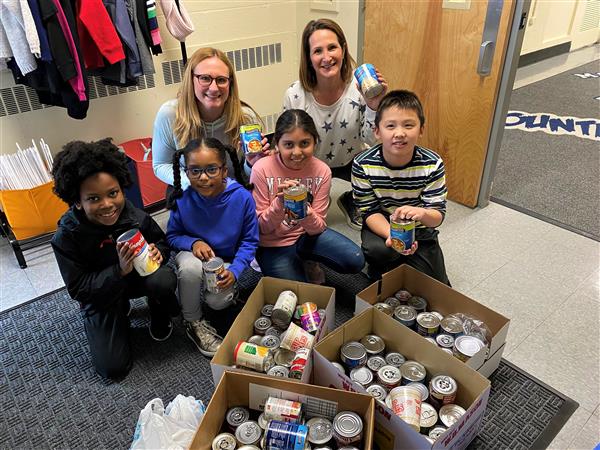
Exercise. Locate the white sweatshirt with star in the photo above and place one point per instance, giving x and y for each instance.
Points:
(345, 128)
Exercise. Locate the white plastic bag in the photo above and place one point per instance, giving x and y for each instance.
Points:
(172, 427)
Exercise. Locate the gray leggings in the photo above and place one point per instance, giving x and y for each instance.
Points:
(190, 282)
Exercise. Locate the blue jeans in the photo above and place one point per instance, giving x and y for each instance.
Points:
(331, 248)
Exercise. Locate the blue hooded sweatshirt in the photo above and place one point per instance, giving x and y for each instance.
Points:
(227, 223)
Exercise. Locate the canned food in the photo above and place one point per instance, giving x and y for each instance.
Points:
(267, 310)
(296, 337)
(299, 363)
(395, 359)
(248, 447)
(412, 371)
(248, 433)
(261, 325)
(375, 362)
(403, 295)
(284, 357)
(339, 367)
(430, 340)
(442, 390)
(285, 436)
(437, 314)
(273, 331)
(251, 138)
(283, 410)
(437, 431)
(353, 354)
(213, 268)
(422, 388)
(224, 441)
(309, 317)
(295, 202)
(466, 346)
(384, 308)
(389, 376)
(347, 428)
(429, 417)
(444, 340)
(236, 416)
(419, 303)
(452, 325)
(255, 339)
(427, 324)
(448, 350)
(450, 414)
(320, 430)
(402, 234)
(373, 344)
(252, 356)
(270, 341)
(393, 302)
(143, 264)
(262, 421)
(283, 309)
(367, 80)
(406, 315)
(322, 313)
(279, 371)
(362, 376)
(406, 404)
(377, 391)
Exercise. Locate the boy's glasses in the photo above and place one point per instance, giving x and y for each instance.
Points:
(206, 80)
(196, 172)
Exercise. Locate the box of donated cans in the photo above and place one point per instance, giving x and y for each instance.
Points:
(425, 398)
(472, 332)
(276, 329)
(252, 412)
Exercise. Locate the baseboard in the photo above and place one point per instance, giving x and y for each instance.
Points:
(545, 53)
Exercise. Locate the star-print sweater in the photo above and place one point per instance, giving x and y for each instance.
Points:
(345, 128)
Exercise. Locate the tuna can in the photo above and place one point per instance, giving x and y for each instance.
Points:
(384, 308)
(261, 325)
(466, 346)
(295, 201)
(278, 371)
(252, 356)
(406, 404)
(392, 301)
(283, 410)
(270, 341)
(143, 264)
(395, 359)
(236, 416)
(419, 303)
(452, 326)
(389, 376)
(367, 80)
(339, 367)
(224, 441)
(406, 315)
(299, 363)
(281, 316)
(442, 390)
(373, 344)
(248, 433)
(412, 371)
(309, 317)
(427, 324)
(403, 295)
(444, 340)
(377, 391)
(251, 138)
(437, 314)
(429, 417)
(267, 310)
(361, 375)
(353, 354)
(285, 436)
(402, 234)
(347, 428)
(284, 357)
(255, 339)
(375, 362)
(262, 421)
(212, 272)
(273, 331)
(422, 388)
(295, 337)
(450, 414)
(437, 431)
(320, 430)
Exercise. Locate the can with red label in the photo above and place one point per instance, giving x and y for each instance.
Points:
(299, 363)
(283, 410)
(295, 337)
(142, 262)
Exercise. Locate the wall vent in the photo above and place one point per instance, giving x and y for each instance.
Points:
(269, 121)
(591, 16)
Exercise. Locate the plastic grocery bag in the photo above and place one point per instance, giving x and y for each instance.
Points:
(172, 427)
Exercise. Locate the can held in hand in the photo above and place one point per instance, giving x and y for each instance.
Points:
(402, 234)
(295, 202)
(213, 268)
(285, 436)
(367, 80)
(251, 138)
(252, 356)
(143, 264)
(283, 410)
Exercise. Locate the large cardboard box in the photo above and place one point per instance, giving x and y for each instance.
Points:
(236, 388)
(266, 292)
(445, 300)
(391, 432)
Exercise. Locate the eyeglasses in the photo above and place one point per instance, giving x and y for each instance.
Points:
(194, 173)
(206, 80)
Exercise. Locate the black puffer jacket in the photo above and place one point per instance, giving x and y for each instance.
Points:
(87, 256)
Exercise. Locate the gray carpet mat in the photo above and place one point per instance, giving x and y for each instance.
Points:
(555, 178)
(51, 397)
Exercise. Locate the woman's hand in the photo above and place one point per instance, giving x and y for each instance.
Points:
(266, 151)
(155, 254)
(126, 255)
(373, 102)
(225, 279)
(202, 251)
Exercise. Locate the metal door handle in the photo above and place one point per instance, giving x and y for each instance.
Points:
(490, 35)
(486, 56)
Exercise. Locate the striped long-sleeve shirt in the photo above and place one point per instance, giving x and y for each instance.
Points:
(379, 188)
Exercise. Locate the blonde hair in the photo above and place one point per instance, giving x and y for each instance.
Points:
(307, 74)
(188, 124)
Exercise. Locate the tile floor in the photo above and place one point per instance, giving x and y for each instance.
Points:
(544, 278)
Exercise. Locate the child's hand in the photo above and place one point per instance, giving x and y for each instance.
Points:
(266, 151)
(126, 256)
(373, 102)
(226, 279)
(408, 213)
(410, 251)
(309, 212)
(283, 186)
(155, 254)
(202, 251)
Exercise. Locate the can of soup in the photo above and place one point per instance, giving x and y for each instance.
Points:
(236, 416)
(283, 410)
(406, 404)
(212, 271)
(347, 428)
(295, 201)
(367, 80)
(252, 356)
(142, 262)
(299, 363)
(295, 337)
(353, 354)
(402, 234)
(224, 441)
(309, 317)
(284, 308)
(251, 138)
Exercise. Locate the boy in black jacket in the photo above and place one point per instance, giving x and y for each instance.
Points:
(97, 271)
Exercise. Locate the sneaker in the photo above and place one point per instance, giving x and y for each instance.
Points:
(160, 328)
(314, 273)
(353, 215)
(203, 336)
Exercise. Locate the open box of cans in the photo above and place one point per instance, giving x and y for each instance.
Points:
(425, 398)
(268, 338)
(432, 296)
(251, 412)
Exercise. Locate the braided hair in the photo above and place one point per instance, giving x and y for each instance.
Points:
(205, 143)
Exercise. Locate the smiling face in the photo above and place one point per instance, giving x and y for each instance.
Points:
(326, 54)
(296, 147)
(212, 98)
(398, 129)
(205, 185)
(101, 198)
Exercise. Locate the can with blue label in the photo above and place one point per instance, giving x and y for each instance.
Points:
(295, 201)
(285, 436)
(367, 80)
(402, 234)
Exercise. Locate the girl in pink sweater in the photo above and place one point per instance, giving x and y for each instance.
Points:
(286, 243)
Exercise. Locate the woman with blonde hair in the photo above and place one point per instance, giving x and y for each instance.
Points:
(208, 104)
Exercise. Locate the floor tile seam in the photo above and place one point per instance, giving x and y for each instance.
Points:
(477, 284)
(520, 343)
(578, 433)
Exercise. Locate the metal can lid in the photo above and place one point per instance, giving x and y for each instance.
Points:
(392, 301)
(443, 384)
(248, 447)
(422, 388)
(389, 375)
(377, 391)
(255, 339)
(419, 303)
(448, 350)
(212, 264)
(451, 324)
(437, 314)
(262, 323)
(224, 441)
(403, 295)
(353, 350)
(373, 344)
(248, 432)
(428, 320)
(347, 424)
(429, 415)
(267, 310)
(413, 371)
(270, 341)
(375, 362)
(405, 312)
(388, 401)
(320, 430)
(436, 432)
(263, 421)
(339, 367)
(273, 331)
(279, 371)
(450, 414)
(361, 375)
(468, 345)
(445, 340)
(430, 340)
(384, 308)
(284, 357)
(237, 415)
(395, 359)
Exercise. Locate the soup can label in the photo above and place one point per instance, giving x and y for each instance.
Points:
(212, 270)
(285, 436)
(252, 356)
(367, 80)
(294, 202)
(251, 138)
(402, 234)
(406, 404)
(296, 337)
(142, 262)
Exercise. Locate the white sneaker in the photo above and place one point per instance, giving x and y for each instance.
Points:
(203, 336)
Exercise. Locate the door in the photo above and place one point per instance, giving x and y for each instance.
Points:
(549, 24)
(432, 47)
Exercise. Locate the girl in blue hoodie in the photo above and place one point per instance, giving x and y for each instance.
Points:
(214, 216)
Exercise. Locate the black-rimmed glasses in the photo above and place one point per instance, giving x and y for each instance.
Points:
(196, 172)
(205, 80)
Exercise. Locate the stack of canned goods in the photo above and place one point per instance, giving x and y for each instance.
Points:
(447, 332)
(283, 337)
(282, 426)
(400, 384)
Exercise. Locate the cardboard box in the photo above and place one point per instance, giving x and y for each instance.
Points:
(266, 292)
(236, 388)
(391, 432)
(443, 299)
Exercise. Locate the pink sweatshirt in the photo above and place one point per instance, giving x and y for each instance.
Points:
(267, 174)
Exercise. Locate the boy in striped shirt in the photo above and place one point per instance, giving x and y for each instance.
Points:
(398, 179)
